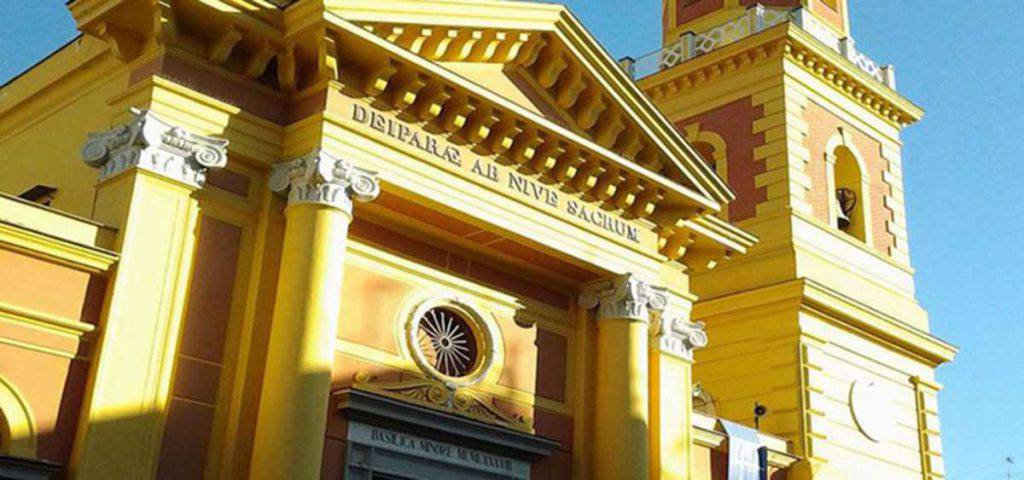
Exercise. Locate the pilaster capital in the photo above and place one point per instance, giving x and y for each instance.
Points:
(322, 178)
(925, 384)
(625, 296)
(148, 143)
(679, 337)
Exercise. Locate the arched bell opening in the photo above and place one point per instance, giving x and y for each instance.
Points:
(849, 205)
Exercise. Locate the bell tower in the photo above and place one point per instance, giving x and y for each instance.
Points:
(819, 322)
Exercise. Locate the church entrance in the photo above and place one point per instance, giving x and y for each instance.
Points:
(390, 439)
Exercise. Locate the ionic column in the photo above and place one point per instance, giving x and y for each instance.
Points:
(297, 381)
(674, 339)
(149, 173)
(621, 438)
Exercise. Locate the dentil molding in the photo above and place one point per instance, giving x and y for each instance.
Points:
(322, 178)
(150, 144)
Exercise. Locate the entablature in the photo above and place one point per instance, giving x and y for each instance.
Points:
(794, 245)
(916, 342)
(252, 39)
(811, 296)
(44, 232)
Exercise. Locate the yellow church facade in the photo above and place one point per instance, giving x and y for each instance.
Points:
(409, 239)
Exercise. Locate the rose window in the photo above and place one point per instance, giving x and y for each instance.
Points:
(447, 342)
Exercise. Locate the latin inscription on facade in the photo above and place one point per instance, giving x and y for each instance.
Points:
(444, 452)
(487, 170)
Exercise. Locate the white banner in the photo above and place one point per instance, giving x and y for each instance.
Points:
(744, 443)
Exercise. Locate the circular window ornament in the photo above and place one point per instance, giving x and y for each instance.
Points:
(872, 409)
(449, 341)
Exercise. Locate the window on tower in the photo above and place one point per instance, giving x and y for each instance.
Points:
(707, 153)
(712, 151)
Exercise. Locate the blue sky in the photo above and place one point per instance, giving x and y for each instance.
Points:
(962, 61)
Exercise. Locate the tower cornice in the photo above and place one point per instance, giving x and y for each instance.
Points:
(790, 43)
(809, 295)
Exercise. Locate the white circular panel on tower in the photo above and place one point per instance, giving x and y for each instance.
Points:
(873, 410)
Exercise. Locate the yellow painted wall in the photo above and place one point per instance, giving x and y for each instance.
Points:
(753, 359)
(831, 368)
(45, 115)
(533, 372)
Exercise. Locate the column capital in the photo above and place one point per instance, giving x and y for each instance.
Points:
(679, 337)
(322, 178)
(147, 143)
(625, 296)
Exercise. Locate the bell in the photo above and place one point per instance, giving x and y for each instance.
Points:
(844, 203)
(842, 221)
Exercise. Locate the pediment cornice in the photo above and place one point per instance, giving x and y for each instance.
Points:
(560, 57)
(414, 88)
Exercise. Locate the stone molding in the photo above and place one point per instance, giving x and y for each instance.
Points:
(438, 395)
(322, 178)
(625, 296)
(486, 333)
(679, 337)
(148, 143)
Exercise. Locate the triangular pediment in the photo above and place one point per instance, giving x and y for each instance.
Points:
(541, 58)
(525, 85)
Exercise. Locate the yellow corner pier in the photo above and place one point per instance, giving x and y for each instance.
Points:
(425, 239)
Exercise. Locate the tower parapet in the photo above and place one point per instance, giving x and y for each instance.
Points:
(745, 22)
(682, 16)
